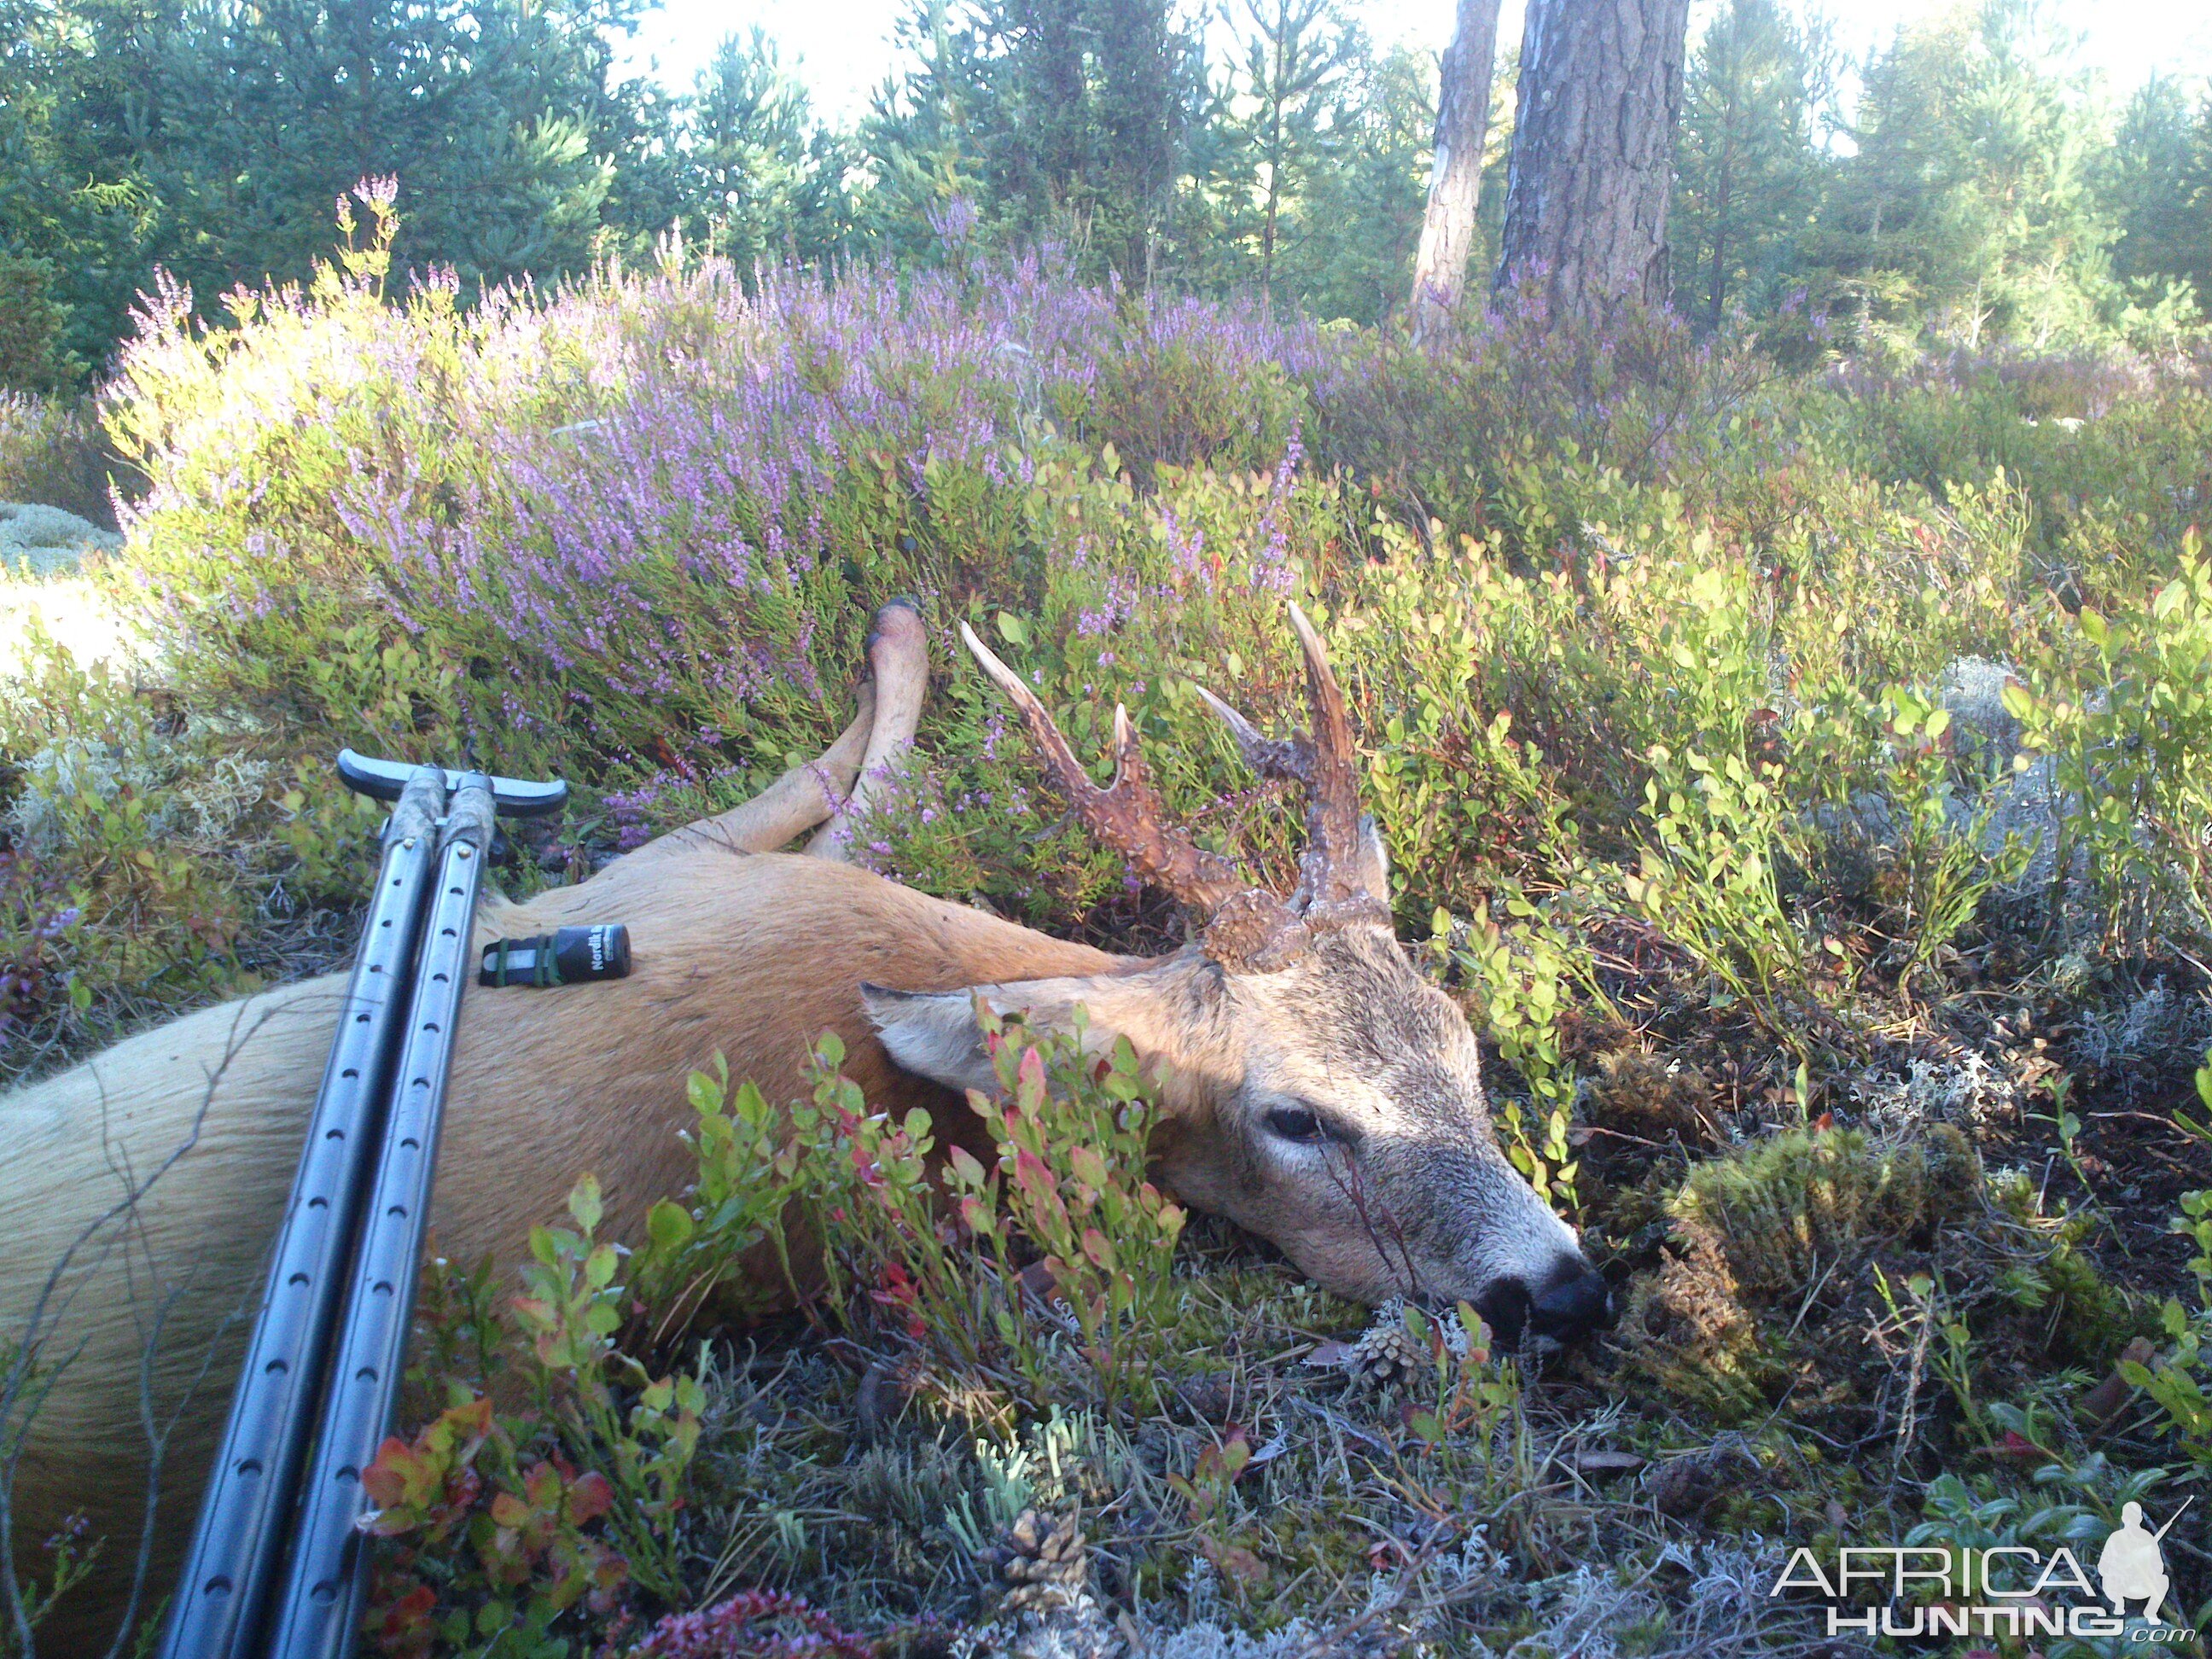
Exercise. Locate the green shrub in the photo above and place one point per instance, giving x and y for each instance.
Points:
(1521, 987)
(503, 1523)
(32, 358)
(1067, 1196)
(52, 453)
(2132, 749)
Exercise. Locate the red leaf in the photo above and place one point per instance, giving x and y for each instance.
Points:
(590, 1497)
(2019, 1448)
(386, 1480)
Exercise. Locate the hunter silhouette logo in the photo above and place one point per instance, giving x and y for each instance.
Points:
(2131, 1567)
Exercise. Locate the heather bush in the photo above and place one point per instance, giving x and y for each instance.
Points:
(665, 555)
(1521, 434)
(629, 531)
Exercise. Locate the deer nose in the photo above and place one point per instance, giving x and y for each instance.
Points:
(1570, 1301)
(1576, 1304)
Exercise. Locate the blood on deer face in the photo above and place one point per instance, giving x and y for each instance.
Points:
(1315, 1088)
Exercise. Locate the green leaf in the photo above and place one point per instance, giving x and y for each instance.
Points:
(584, 1203)
(668, 1225)
(704, 1092)
(750, 1108)
(599, 1267)
(1012, 628)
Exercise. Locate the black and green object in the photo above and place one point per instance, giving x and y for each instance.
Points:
(574, 956)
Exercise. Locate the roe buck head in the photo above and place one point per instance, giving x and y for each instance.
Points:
(1316, 1089)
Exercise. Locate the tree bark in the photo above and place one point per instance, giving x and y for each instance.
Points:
(1456, 178)
(1594, 153)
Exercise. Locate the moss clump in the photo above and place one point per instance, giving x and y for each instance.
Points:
(1769, 1224)
(1652, 1096)
(1791, 1208)
(1689, 1331)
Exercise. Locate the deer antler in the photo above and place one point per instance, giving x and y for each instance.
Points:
(1246, 927)
(1290, 758)
(1334, 877)
(1126, 814)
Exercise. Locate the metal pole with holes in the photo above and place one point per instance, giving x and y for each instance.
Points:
(275, 1533)
(320, 1613)
(246, 1514)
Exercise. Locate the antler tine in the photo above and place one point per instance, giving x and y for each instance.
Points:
(1271, 757)
(1126, 814)
(1332, 875)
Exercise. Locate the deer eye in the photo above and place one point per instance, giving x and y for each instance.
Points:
(1295, 1123)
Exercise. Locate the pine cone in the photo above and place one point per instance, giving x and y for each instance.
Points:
(1045, 1566)
(1386, 1354)
(1685, 1487)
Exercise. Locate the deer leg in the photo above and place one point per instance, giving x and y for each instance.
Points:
(807, 795)
(898, 653)
(792, 804)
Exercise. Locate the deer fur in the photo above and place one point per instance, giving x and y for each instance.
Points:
(138, 1192)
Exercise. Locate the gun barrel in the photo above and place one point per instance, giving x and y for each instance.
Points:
(517, 797)
(2175, 1516)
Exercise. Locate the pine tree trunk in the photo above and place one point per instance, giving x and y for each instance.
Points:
(1456, 179)
(1594, 153)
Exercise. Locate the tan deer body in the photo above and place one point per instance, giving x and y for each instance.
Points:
(1315, 1084)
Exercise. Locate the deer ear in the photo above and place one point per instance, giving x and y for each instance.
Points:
(933, 1034)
